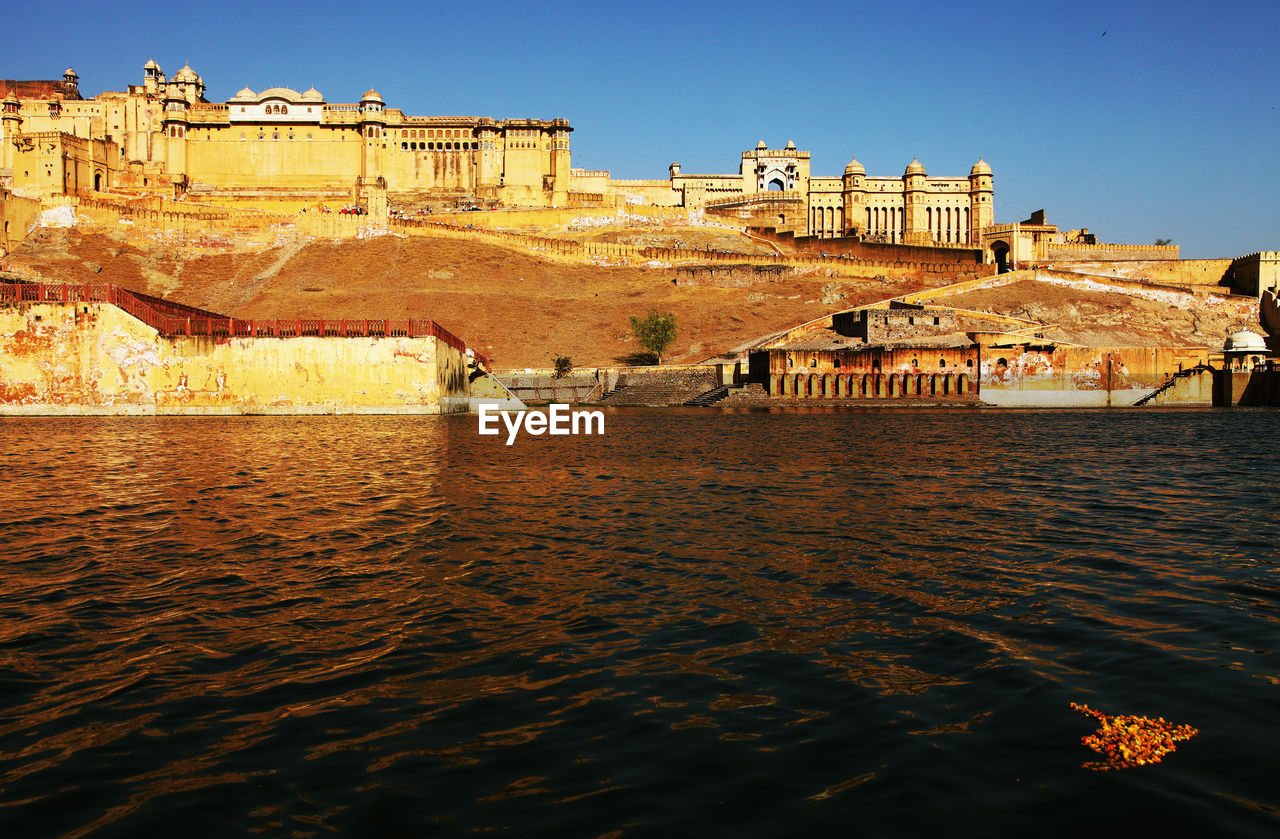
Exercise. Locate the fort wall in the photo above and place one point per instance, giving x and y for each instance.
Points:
(94, 358)
(1188, 272)
(1072, 252)
(1080, 377)
(1256, 272)
(850, 246)
(17, 215)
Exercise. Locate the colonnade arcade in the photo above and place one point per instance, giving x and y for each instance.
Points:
(869, 385)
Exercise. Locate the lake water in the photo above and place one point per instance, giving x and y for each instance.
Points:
(700, 624)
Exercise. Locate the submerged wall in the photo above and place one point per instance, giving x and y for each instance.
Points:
(92, 358)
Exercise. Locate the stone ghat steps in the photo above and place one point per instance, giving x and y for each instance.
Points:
(712, 397)
(653, 395)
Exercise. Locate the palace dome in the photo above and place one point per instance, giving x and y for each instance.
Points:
(371, 95)
(1245, 341)
(245, 93)
(313, 95)
(761, 145)
(790, 144)
(915, 167)
(151, 65)
(980, 168)
(286, 93)
(186, 74)
(855, 168)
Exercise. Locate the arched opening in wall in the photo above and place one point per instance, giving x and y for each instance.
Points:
(97, 182)
(776, 185)
(1000, 253)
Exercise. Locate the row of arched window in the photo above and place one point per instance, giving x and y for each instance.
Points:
(945, 224)
(439, 146)
(433, 134)
(826, 221)
(277, 109)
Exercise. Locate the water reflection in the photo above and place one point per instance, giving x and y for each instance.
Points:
(280, 622)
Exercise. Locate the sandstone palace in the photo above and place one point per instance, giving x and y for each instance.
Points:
(281, 147)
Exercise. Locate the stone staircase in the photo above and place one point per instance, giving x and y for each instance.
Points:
(1173, 381)
(713, 397)
(652, 394)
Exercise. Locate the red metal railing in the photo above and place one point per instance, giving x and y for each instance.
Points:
(174, 319)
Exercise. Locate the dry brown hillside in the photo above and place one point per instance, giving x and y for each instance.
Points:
(520, 310)
(1097, 317)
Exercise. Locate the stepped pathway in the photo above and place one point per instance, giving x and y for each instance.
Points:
(1173, 380)
(713, 396)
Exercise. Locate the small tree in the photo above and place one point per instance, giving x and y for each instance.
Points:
(655, 332)
(563, 366)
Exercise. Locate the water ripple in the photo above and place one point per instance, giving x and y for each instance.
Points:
(696, 624)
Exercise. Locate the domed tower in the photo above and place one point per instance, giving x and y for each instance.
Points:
(187, 83)
(70, 84)
(12, 127)
(174, 128)
(151, 76)
(372, 127)
(981, 200)
(854, 191)
(915, 227)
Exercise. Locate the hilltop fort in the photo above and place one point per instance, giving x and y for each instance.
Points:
(298, 218)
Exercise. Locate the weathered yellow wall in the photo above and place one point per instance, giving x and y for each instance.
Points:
(222, 159)
(1192, 272)
(1066, 377)
(17, 214)
(96, 359)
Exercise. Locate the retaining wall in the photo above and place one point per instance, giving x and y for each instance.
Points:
(58, 358)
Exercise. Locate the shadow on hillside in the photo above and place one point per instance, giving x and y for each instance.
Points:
(640, 359)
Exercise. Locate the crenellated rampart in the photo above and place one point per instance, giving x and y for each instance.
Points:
(1255, 273)
(1102, 251)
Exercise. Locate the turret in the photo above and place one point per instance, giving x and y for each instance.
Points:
(372, 126)
(915, 225)
(981, 199)
(854, 192)
(174, 128)
(560, 162)
(151, 76)
(12, 127)
(71, 84)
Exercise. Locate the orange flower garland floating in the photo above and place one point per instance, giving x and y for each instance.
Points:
(1126, 740)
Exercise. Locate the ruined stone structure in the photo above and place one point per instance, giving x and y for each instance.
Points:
(164, 136)
(777, 185)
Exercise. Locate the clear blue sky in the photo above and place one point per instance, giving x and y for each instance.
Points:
(1167, 125)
